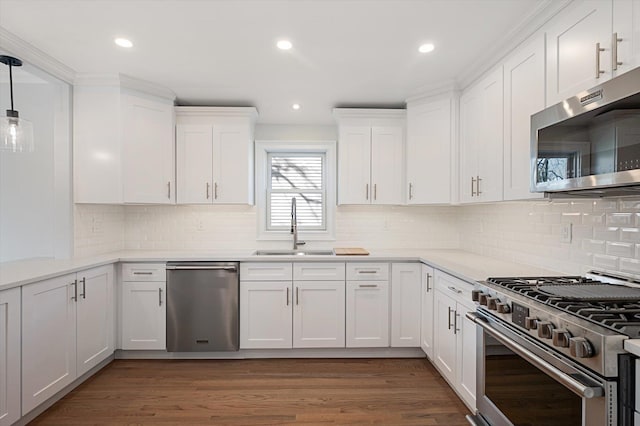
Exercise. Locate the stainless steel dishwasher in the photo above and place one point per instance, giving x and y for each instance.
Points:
(202, 306)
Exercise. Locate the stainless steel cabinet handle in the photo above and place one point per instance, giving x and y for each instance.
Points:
(169, 189)
(215, 190)
(368, 271)
(142, 273)
(614, 52)
(455, 322)
(208, 268)
(368, 286)
(428, 280)
(598, 70)
(287, 296)
(159, 297)
(473, 181)
(569, 381)
(208, 190)
(455, 290)
(449, 318)
(375, 191)
(410, 191)
(75, 290)
(297, 296)
(84, 287)
(366, 191)
(478, 185)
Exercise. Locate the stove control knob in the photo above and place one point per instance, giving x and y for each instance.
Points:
(503, 308)
(475, 295)
(545, 329)
(581, 347)
(561, 337)
(492, 303)
(482, 298)
(531, 323)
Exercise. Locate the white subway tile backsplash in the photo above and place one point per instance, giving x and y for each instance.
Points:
(594, 246)
(631, 235)
(609, 234)
(620, 219)
(605, 262)
(605, 205)
(593, 218)
(631, 266)
(620, 249)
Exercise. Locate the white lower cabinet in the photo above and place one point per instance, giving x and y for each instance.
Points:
(143, 306)
(367, 310)
(265, 314)
(455, 336)
(426, 315)
(318, 314)
(67, 328)
(405, 304)
(9, 356)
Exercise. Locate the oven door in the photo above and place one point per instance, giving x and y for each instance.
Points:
(522, 383)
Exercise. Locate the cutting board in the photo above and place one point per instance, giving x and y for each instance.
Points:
(351, 251)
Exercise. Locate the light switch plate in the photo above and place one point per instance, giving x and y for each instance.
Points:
(566, 233)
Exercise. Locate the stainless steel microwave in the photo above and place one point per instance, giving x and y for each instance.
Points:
(589, 145)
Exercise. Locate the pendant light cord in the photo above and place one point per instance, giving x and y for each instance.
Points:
(11, 85)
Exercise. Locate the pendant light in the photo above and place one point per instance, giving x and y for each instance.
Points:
(16, 134)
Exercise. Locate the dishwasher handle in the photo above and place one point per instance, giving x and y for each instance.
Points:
(204, 268)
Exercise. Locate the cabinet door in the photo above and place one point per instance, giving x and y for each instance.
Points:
(429, 153)
(444, 346)
(9, 356)
(48, 339)
(148, 151)
(426, 329)
(626, 25)
(95, 321)
(524, 82)
(470, 129)
(318, 314)
(406, 288)
(354, 165)
(194, 159)
(144, 309)
(232, 164)
(265, 314)
(367, 313)
(489, 150)
(466, 352)
(571, 49)
(387, 150)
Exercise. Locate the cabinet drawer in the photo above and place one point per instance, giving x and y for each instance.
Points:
(367, 271)
(266, 271)
(455, 287)
(144, 272)
(318, 271)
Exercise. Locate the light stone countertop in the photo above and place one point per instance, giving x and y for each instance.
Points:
(464, 265)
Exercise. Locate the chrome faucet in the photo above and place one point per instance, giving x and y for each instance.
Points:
(294, 225)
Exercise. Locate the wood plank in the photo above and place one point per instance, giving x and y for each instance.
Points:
(350, 251)
(261, 392)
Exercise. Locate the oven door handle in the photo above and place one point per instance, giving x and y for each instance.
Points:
(571, 383)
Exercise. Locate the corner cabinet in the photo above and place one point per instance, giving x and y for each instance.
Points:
(370, 156)
(67, 329)
(123, 132)
(10, 356)
(430, 150)
(481, 140)
(454, 350)
(214, 155)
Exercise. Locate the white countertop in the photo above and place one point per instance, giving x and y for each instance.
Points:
(464, 265)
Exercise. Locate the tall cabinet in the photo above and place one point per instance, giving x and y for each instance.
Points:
(370, 156)
(215, 155)
(10, 356)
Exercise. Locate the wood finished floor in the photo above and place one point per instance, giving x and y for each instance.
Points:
(261, 392)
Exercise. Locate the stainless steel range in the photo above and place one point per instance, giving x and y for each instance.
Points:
(550, 350)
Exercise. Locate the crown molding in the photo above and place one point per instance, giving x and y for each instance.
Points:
(30, 54)
(369, 113)
(434, 90)
(514, 38)
(122, 81)
(238, 112)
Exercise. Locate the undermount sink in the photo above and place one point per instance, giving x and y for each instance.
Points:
(294, 253)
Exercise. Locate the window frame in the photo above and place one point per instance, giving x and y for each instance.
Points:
(262, 150)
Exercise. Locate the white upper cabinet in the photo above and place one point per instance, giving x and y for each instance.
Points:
(524, 93)
(626, 36)
(429, 151)
(215, 155)
(481, 140)
(123, 141)
(579, 49)
(370, 156)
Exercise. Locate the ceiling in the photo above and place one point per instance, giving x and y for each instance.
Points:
(346, 53)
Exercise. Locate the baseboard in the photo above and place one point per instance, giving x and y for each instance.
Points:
(278, 353)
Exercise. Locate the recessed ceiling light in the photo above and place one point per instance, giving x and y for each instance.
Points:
(123, 42)
(284, 44)
(295, 106)
(426, 48)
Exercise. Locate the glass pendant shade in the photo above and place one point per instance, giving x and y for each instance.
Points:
(16, 133)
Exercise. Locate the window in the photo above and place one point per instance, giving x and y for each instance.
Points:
(301, 170)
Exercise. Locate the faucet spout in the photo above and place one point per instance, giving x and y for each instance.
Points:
(294, 225)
